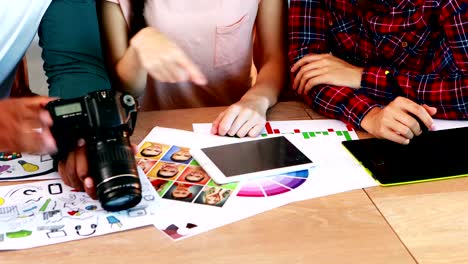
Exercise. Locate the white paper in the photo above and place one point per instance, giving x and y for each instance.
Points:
(179, 218)
(447, 124)
(18, 166)
(49, 212)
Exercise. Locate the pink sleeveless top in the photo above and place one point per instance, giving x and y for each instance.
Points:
(217, 35)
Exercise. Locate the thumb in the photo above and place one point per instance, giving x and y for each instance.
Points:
(430, 109)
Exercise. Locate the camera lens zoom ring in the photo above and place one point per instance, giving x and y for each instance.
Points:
(118, 154)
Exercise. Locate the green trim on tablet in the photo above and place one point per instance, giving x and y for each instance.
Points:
(405, 182)
(434, 155)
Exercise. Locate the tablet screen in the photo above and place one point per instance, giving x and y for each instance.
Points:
(433, 155)
(257, 155)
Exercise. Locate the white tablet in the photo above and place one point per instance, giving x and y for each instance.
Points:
(251, 159)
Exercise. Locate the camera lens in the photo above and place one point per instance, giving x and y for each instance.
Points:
(113, 168)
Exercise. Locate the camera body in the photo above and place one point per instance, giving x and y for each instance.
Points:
(105, 120)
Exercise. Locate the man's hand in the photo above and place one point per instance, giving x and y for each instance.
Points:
(244, 118)
(394, 122)
(74, 170)
(315, 69)
(25, 125)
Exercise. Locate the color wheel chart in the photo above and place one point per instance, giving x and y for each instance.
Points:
(272, 186)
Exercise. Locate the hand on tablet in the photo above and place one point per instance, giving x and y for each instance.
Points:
(398, 121)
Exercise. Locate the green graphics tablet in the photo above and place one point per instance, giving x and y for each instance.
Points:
(433, 155)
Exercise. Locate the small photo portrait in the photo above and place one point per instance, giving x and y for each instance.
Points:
(145, 164)
(213, 196)
(161, 186)
(152, 150)
(183, 192)
(166, 170)
(178, 154)
(194, 174)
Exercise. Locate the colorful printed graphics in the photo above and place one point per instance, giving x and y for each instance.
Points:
(193, 203)
(16, 166)
(275, 185)
(49, 212)
(176, 176)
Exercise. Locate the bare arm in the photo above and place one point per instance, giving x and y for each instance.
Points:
(148, 52)
(269, 51)
(122, 59)
(247, 117)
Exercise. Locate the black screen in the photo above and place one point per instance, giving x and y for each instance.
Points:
(432, 155)
(256, 155)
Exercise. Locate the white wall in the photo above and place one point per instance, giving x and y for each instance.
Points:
(37, 78)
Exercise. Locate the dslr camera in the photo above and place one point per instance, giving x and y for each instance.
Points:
(105, 120)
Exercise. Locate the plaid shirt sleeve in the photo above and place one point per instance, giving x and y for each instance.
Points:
(446, 91)
(307, 27)
(444, 87)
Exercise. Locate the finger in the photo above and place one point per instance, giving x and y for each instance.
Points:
(305, 60)
(48, 144)
(35, 142)
(70, 170)
(174, 72)
(430, 109)
(215, 124)
(162, 73)
(195, 75)
(253, 121)
(38, 101)
(392, 130)
(81, 162)
(31, 115)
(156, 70)
(415, 112)
(314, 82)
(228, 119)
(89, 187)
(242, 119)
(256, 130)
(316, 65)
(398, 138)
(402, 129)
(134, 148)
(311, 74)
(45, 118)
(61, 172)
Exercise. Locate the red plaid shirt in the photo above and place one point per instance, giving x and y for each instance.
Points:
(423, 43)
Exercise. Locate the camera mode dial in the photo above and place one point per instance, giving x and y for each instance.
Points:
(128, 100)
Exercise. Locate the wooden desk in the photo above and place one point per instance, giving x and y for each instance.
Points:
(341, 228)
(430, 218)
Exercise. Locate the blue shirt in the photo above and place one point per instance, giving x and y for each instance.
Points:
(20, 20)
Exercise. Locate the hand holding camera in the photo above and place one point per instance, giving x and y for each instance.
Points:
(25, 125)
(105, 120)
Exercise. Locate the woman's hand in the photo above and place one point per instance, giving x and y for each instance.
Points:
(163, 59)
(315, 69)
(244, 118)
(394, 122)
